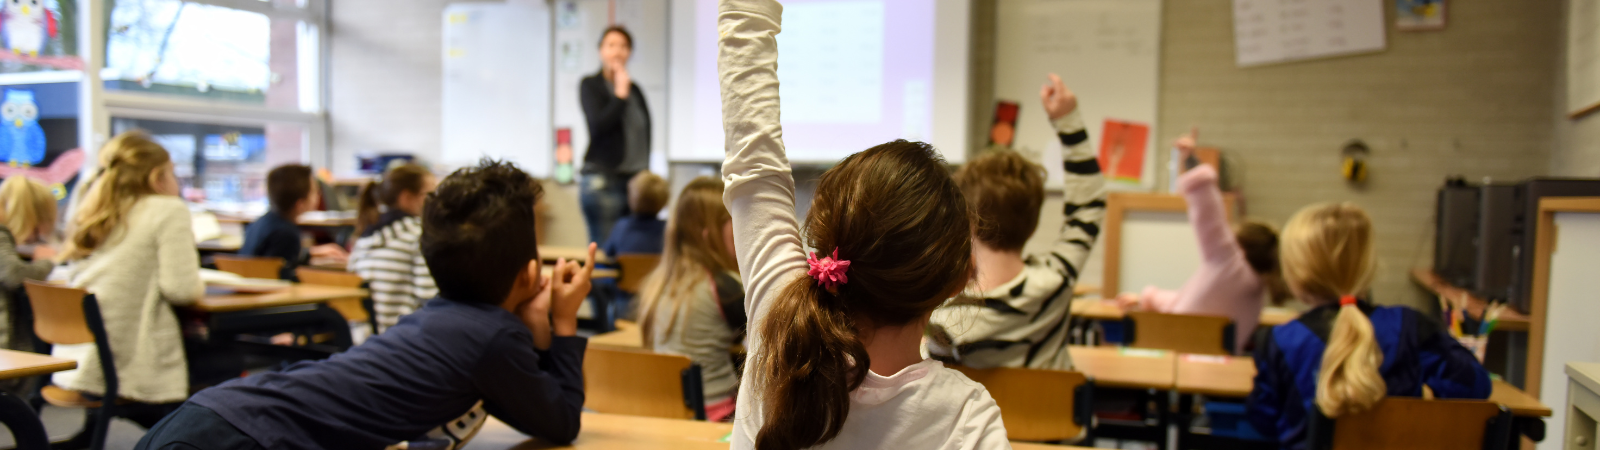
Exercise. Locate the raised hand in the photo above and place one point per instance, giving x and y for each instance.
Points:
(1187, 142)
(568, 287)
(1057, 99)
(621, 81)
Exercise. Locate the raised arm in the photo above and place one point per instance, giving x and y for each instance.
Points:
(1207, 213)
(759, 187)
(1084, 190)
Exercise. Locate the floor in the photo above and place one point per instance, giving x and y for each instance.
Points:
(62, 423)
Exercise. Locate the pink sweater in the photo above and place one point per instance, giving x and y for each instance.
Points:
(1224, 285)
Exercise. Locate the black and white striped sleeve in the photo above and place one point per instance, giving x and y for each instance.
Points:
(1085, 196)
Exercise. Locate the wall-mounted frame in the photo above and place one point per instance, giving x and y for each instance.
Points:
(1148, 240)
(1583, 57)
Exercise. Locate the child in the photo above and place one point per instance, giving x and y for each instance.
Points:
(386, 255)
(640, 232)
(29, 212)
(1021, 307)
(499, 332)
(132, 246)
(1346, 354)
(1238, 269)
(291, 192)
(835, 339)
(693, 302)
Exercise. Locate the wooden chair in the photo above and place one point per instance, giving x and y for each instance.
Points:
(250, 266)
(1039, 405)
(642, 383)
(65, 316)
(1409, 423)
(634, 268)
(353, 309)
(1183, 333)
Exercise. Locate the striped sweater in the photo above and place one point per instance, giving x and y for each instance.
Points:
(1023, 323)
(388, 258)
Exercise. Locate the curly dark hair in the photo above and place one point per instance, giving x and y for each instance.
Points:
(478, 231)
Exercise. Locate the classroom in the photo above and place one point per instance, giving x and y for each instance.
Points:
(791, 224)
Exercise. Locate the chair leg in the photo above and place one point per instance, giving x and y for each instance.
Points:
(102, 426)
(24, 423)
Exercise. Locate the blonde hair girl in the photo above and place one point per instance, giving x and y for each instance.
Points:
(29, 208)
(693, 303)
(1346, 354)
(131, 244)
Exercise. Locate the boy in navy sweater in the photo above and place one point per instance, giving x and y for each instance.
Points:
(291, 192)
(498, 332)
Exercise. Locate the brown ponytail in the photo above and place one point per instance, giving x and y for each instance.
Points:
(896, 215)
(1327, 256)
(399, 179)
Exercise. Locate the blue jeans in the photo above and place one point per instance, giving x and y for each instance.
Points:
(604, 198)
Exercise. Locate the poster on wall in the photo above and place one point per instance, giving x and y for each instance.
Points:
(39, 36)
(1419, 15)
(1122, 150)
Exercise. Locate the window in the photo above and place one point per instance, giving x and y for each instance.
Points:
(227, 163)
(250, 53)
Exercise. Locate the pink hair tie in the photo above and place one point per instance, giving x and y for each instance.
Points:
(828, 271)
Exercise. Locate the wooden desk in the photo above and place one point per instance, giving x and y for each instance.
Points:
(1108, 310)
(613, 432)
(1221, 376)
(15, 364)
(623, 337)
(313, 221)
(299, 294)
(599, 273)
(1510, 320)
(226, 244)
(617, 432)
(1234, 379)
(552, 253)
(1125, 367)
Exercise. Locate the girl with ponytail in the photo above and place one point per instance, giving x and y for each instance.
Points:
(1346, 354)
(387, 255)
(131, 243)
(837, 308)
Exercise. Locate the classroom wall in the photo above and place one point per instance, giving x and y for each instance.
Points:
(1474, 99)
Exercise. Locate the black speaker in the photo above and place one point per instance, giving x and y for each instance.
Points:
(1456, 224)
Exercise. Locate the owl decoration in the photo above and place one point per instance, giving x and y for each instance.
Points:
(21, 139)
(26, 25)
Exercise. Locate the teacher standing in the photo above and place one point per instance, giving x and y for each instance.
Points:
(619, 134)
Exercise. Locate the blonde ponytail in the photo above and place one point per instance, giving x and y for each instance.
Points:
(126, 162)
(30, 208)
(1327, 256)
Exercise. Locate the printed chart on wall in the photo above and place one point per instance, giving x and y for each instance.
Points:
(1276, 31)
(1583, 57)
(1106, 51)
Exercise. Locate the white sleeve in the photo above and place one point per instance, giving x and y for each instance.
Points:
(759, 187)
(981, 424)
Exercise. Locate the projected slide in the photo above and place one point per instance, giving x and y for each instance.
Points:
(853, 74)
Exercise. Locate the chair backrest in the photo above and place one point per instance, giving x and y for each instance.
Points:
(1183, 333)
(249, 266)
(641, 383)
(1039, 405)
(1409, 423)
(58, 313)
(350, 307)
(635, 267)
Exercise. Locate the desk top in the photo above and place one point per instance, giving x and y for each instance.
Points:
(1234, 377)
(623, 337)
(1222, 376)
(1108, 310)
(15, 364)
(616, 432)
(310, 220)
(1125, 367)
(1510, 319)
(299, 294)
(551, 253)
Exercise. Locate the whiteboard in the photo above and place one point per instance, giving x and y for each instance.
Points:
(497, 85)
(1570, 334)
(1583, 55)
(1275, 31)
(1159, 248)
(1106, 51)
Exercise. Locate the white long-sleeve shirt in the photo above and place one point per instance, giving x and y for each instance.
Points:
(925, 405)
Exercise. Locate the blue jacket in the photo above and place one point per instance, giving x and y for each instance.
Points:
(274, 235)
(1416, 352)
(636, 234)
